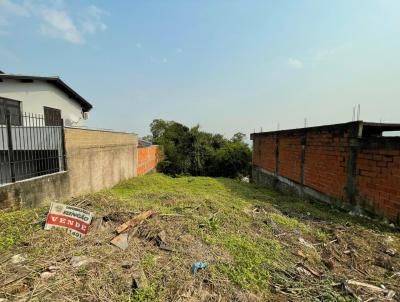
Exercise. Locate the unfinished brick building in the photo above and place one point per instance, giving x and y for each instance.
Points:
(351, 165)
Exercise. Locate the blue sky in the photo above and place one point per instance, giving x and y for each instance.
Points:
(227, 65)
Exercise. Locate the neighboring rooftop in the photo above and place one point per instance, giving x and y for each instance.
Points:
(143, 143)
(56, 81)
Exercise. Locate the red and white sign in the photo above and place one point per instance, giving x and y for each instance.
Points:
(73, 220)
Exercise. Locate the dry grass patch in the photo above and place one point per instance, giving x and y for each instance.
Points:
(249, 237)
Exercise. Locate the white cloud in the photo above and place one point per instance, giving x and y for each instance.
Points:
(92, 21)
(324, 54)
(57, 24)
(14, 8)
(54, 19)
(295, 63)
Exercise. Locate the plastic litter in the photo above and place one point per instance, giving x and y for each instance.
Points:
(198, 265)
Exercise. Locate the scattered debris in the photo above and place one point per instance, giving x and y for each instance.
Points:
(73, 220)
(303, 271)
(198, 265)
(78, 261)
(306, 243)
(47, 275)
(19, 258)
(301, 254)
(118, 216)
(53, 268)
(139, 280)
(134, 221)
(259, 209)
(121, 241)
(301, 267)
(126, 265)
(391, 252)
(160, 242)
(371, 287)
(128, 229)
(384, 262)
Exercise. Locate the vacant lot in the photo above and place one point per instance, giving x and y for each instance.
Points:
(259, 246)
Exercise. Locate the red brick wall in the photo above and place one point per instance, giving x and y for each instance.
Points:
(378, 180)
(345, 162)
(325, 162)
(264, 154)
(290, 156)
(148, 158)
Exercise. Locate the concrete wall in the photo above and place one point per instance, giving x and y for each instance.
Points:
(37, 94)
(148, 158)
(335, 164)
(95, 160)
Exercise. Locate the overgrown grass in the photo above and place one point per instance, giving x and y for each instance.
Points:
(248, 235)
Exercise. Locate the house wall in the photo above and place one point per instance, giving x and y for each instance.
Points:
(333, 164)
(37, 94)
(148, 158)
(95, 160)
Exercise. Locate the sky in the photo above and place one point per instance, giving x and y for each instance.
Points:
(230, 66)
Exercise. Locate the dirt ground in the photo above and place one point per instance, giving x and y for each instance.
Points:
(259, 245)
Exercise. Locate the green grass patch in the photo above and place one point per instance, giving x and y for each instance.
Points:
(251, 261)
(17, 226)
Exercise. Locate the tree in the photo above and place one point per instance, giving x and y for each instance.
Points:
(195, 152)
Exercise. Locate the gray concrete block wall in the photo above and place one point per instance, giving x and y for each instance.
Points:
(96, 160)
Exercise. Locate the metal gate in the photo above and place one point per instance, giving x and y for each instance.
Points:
(30, 146)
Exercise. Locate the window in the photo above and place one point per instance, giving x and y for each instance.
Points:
(52, 116)
(14, 108)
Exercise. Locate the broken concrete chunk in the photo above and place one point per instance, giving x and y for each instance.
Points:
(139, 280)
(121, 241)
(19, 258)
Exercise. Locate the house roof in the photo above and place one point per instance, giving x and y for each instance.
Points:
(144, 143)
(56, 81)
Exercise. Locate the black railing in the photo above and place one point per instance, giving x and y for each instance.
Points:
(30, 146)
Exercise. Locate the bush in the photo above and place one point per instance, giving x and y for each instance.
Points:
(189, 151)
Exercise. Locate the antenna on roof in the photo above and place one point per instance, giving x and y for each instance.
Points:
(278, 126)
(354, 114)
(305, 122)
(358, 112)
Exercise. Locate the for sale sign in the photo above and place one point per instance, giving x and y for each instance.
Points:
(73, 220)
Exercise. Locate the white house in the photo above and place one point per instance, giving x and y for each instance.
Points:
(47, 96)
(32, 109)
